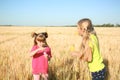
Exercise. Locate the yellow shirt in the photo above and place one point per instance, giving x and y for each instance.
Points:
(96, 63)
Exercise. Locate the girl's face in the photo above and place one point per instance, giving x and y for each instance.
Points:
(80, 30)
(40, 43)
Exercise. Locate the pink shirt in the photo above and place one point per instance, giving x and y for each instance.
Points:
(39, 61)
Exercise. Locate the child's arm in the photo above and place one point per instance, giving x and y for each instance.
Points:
(32, 53)
(77, 54)
(89, 51)
(88, 54)
(47, 53)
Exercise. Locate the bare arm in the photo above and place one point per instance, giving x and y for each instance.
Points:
(77, 54)
(32, 53)
(88, 54)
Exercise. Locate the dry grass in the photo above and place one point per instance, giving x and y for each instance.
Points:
(16, 42)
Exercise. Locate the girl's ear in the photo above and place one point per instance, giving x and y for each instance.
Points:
(33, 34)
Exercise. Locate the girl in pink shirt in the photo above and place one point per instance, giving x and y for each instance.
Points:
(41, 54)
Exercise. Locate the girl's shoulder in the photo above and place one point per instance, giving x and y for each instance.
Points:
(35, 46)
(93, 38)
(48, 48)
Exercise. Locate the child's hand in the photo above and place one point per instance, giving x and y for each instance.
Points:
(75, 53)
(45, 54)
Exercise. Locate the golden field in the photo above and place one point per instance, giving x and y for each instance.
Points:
(16, 42)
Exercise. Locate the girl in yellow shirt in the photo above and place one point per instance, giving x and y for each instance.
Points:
(89, 49)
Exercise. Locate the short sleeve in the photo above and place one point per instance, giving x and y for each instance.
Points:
(48, 51)
(33, 48)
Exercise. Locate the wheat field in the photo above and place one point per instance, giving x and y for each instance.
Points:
(16, 42)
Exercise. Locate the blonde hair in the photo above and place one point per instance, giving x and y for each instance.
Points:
(86, 25)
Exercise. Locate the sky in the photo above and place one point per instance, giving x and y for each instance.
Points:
(58, 12)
